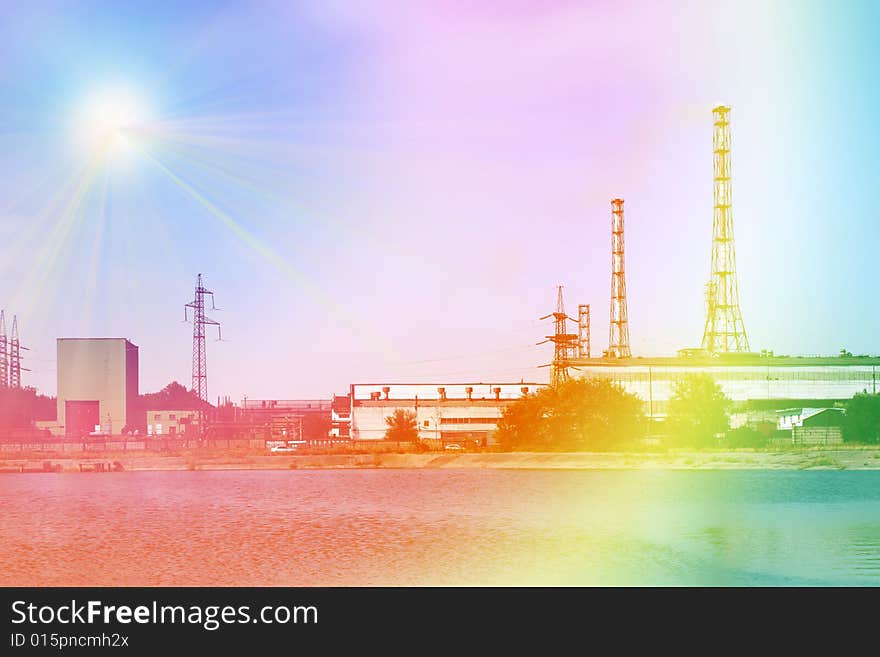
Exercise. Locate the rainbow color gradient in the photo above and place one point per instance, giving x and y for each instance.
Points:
(385, 190)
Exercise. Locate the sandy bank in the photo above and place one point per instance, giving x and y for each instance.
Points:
(849, 459)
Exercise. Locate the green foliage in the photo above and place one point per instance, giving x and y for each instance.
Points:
(862, 420)
(822, 462)
(746, 437)
(579, 415)
(402, 426)
(21, 407)
(173, 396)
(698, 411)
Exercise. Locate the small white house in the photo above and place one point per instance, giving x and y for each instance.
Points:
(791, 418)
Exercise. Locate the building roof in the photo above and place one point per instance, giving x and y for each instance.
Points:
(454, 383)
(807, 412)
(95, 339)
(729, 360)
(424, 392)
(448, 403)
(290, 404)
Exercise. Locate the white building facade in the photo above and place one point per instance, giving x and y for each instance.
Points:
(770, 381)
(171, 422)
(448, 413)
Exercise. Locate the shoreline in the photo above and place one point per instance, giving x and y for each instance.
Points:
(825, 458)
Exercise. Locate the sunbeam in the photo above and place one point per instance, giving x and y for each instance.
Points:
(35, 289)
(271, 256)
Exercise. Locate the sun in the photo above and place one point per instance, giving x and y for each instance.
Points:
(109, 123)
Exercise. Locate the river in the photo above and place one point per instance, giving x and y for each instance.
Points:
(440, 527)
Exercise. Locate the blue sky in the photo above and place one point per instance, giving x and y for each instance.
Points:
(380, 190)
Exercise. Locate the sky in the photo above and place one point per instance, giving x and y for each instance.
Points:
(386, 191)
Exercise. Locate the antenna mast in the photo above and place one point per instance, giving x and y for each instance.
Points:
(724, 331)
(584, 330)
(618, 330)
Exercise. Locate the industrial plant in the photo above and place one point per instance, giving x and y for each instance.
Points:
(98, 401)
(779, 391)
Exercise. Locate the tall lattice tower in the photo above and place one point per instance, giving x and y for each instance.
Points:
(724, 331)
(15, 348)
(565, 344)
(584, 330)
(200, 321)
(618, 330)
(4, 352)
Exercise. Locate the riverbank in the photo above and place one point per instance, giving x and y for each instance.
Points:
(817, 458)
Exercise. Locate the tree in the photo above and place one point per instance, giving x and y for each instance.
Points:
(402, 426)
(21, 407)
(578, 415)
(746, 437)
(698, 411)
(173, 396)
(862, 420)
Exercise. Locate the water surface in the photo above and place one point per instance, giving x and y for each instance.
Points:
(412, 527)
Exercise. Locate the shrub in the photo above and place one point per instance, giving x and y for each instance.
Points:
(578, 415)
(402, 426)
(746, 437)
(862, 420)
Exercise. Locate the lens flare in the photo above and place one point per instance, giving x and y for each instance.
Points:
(108, 123)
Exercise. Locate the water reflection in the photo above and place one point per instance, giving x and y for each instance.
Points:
(410, 527)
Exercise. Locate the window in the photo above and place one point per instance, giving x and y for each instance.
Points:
(172, 416)
(157, 416)
(469, 420)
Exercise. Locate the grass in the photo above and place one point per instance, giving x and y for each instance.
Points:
(822, 462)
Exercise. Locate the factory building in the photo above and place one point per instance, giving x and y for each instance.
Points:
(172, 422)
(459, 413)
(752, 381)
(97, 386)
(288, 419)
(340, 416)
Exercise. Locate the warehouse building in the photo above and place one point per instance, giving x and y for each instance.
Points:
(340, 416)
(460, 413)
(97, 386)
(754, 382)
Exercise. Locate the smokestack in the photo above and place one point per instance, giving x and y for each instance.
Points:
(442, 392)
(469, 391)
(497, 392)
